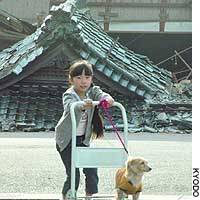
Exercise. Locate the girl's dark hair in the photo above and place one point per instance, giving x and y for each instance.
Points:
(77, 68)
(97, 124)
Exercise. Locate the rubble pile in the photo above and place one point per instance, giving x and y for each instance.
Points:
(169, 114)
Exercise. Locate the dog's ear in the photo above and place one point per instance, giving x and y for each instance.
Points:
(128, 162)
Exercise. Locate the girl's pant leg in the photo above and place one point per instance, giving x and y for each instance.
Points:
(66, 159)
(91, 180)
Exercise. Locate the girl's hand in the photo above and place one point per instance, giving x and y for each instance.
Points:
(87, 104)
(106, 102)
(110, 101)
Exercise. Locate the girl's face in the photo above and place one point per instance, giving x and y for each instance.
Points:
(81, 83)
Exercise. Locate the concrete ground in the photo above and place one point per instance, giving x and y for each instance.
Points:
(29, 164)
(20, 196)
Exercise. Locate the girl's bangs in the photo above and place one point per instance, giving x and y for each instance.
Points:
(79, 70)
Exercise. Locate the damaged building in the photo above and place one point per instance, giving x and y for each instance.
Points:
(34, 74)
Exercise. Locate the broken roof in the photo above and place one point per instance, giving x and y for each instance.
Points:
(72, 31)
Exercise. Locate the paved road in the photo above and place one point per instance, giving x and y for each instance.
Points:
(29, 163)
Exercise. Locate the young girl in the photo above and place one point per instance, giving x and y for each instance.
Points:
(88, 123)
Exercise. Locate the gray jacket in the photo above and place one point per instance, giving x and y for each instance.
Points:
(63, 128)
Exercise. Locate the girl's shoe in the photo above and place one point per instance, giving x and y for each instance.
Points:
(88, 196)
(64, 197)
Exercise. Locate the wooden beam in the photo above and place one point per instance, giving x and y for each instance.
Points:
(174, 55)
(107, 15)
(163, 15)
(188, 76)
(187, 65)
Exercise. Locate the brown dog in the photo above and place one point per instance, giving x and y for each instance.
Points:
(128, 180)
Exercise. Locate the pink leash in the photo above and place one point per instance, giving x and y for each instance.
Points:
(105, 106)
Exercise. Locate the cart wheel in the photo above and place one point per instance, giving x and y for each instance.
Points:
(70, 196)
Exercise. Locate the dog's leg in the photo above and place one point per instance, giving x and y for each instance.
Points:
(136, 196)
(120, 194)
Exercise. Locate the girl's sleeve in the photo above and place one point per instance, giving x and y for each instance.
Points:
(68, 99)
(98, 93)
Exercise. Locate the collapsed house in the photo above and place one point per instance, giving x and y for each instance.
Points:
(34, 74)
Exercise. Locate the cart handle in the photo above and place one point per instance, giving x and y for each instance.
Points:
(73, 119)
